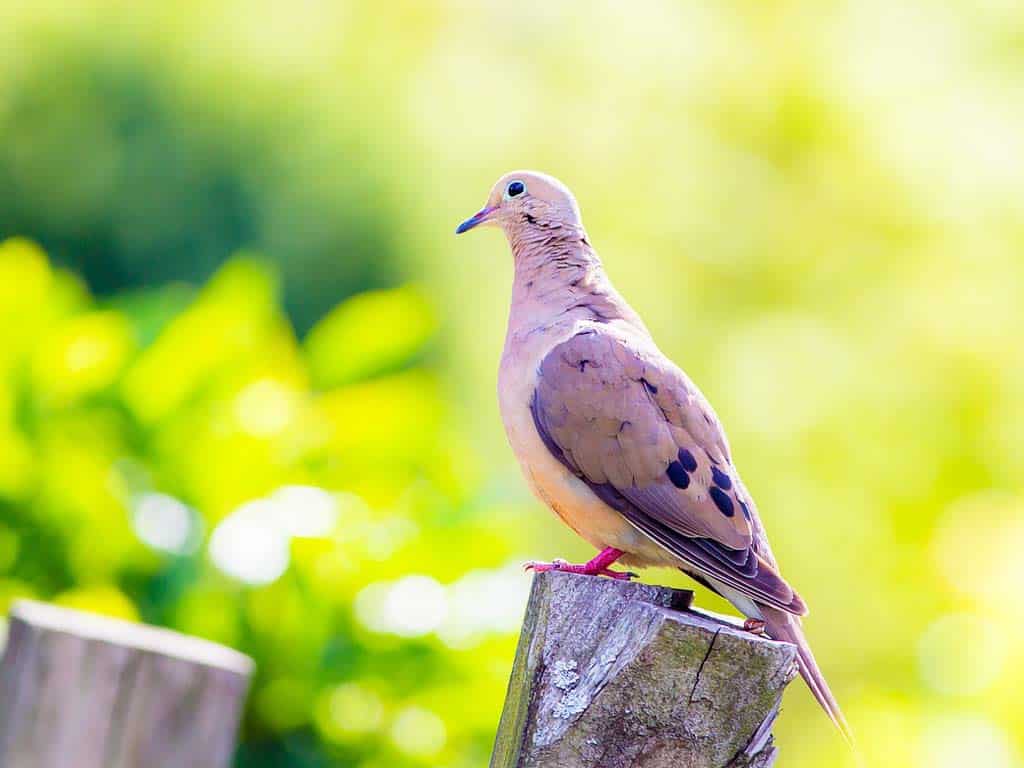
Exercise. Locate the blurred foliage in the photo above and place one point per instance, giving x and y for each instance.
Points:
(816, 207)
(134, 179)
(126, 438)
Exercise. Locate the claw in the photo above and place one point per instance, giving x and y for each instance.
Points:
(754, 626)
(618, 575)
(540, 567)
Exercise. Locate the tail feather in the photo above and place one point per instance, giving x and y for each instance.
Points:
(785, 626)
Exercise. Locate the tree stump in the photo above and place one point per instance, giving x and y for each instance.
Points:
(82, 690)
(611, 674)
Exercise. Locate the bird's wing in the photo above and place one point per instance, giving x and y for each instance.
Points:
(631, 424)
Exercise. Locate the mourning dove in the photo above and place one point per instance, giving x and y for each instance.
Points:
(613, 436)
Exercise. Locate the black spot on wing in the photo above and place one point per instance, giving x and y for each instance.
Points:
(687, 460)
(722, 501)
(720, 478)
(678, 475)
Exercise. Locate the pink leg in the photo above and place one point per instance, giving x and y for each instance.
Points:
(598, 566)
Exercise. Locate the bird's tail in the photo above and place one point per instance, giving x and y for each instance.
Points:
(785, 626)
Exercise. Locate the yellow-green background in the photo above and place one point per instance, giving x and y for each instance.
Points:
(816, 206)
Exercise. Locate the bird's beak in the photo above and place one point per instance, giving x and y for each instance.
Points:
(481, 216)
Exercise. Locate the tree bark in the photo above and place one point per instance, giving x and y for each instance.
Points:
(82, 690)
(610, 674)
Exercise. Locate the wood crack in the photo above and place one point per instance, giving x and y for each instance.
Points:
(700, 669)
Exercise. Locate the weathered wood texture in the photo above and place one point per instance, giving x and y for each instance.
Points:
(610, 674)
(92, 692)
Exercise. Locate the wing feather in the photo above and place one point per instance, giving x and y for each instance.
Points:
(641, 435)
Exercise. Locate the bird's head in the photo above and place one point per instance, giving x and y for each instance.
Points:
(523, 199)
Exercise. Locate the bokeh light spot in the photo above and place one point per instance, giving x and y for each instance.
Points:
(410, 607)
(418, 732)
(353, 709)
(482, 602)
(305, 510)
(249, 544)
(164, 523)
(265, 408)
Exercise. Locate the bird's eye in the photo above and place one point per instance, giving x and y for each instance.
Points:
(514, 189)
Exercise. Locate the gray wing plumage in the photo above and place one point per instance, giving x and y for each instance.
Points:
(631, 424)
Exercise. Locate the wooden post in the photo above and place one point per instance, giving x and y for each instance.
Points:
(610, 674)
(87, 691)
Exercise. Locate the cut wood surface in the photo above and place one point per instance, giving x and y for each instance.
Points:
(88, 691)
(611, 674)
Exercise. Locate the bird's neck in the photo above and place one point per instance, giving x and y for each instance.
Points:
(559, 278)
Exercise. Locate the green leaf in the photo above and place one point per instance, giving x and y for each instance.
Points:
(368, 335)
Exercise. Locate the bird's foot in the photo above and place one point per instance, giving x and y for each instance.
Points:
(754, 626)
(584, 569)
(596, 567)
